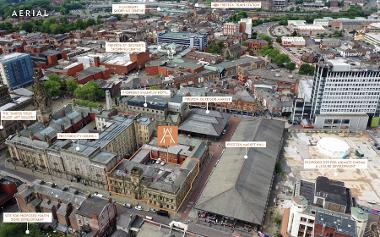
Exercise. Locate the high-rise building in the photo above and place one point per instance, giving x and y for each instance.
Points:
(279, 4)
(245, 26)
(16, 70)
(344, 94)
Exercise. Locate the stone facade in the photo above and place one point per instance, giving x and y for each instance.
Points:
(160, 183)
(84, 161)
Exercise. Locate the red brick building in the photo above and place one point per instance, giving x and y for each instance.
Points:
(68, 70)
(93, 73)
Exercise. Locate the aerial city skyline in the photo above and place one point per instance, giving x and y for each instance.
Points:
(199, 118)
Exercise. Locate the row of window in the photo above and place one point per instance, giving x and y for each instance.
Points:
(354, 74)
(350, 80)
(342, 101)
(347, 110)
(365, 93)
(353, 86)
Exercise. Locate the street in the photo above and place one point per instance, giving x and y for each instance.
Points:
(216, 150)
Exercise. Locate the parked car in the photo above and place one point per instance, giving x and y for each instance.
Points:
(139, 208)
(163, 213)
(127, 205)
(152, 210)
(96, 194)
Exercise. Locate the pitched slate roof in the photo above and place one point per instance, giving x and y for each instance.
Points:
(211, 124)
(240, 188)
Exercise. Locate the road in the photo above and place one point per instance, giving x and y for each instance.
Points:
(296, 60)
(264, 28)
(194, 228)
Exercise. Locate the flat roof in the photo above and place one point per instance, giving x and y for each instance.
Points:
(180, 35)
(6, 57)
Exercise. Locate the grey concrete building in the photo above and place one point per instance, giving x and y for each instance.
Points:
(345, 94)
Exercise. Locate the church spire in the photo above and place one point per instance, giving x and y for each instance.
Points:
(42, 101)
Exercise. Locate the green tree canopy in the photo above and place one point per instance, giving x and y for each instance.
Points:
(238, 16)
(266, 38)
(215, 47)
(71, 86)
(306, 69)
(90, 91)
(282, 60)
(53, 88)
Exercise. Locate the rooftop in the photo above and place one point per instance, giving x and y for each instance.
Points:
(180, 35)
(341, 223)
(239, 188)
(211, 124)
(92, 206)
(11, 56)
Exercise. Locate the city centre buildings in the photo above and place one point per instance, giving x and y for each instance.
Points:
(82, 161)
(345, 94)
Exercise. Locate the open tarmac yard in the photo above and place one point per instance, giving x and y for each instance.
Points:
(364, 183)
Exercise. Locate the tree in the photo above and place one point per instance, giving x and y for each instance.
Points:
(283, 22)
(90, 91)
(291, 66)
(238, 16)
(278, 168)
(306, 69)
(27, 26)
(54, 77)
(265, 37)
(18, 229)
(215, 47)
(71, 86)
(79, 24)
(53, 88)
(99, 20)
(90, 22)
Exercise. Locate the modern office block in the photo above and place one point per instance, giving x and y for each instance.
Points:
(193, 40)
(16, 70)
(345, 94)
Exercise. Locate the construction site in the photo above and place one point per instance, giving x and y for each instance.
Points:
(364, 183)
